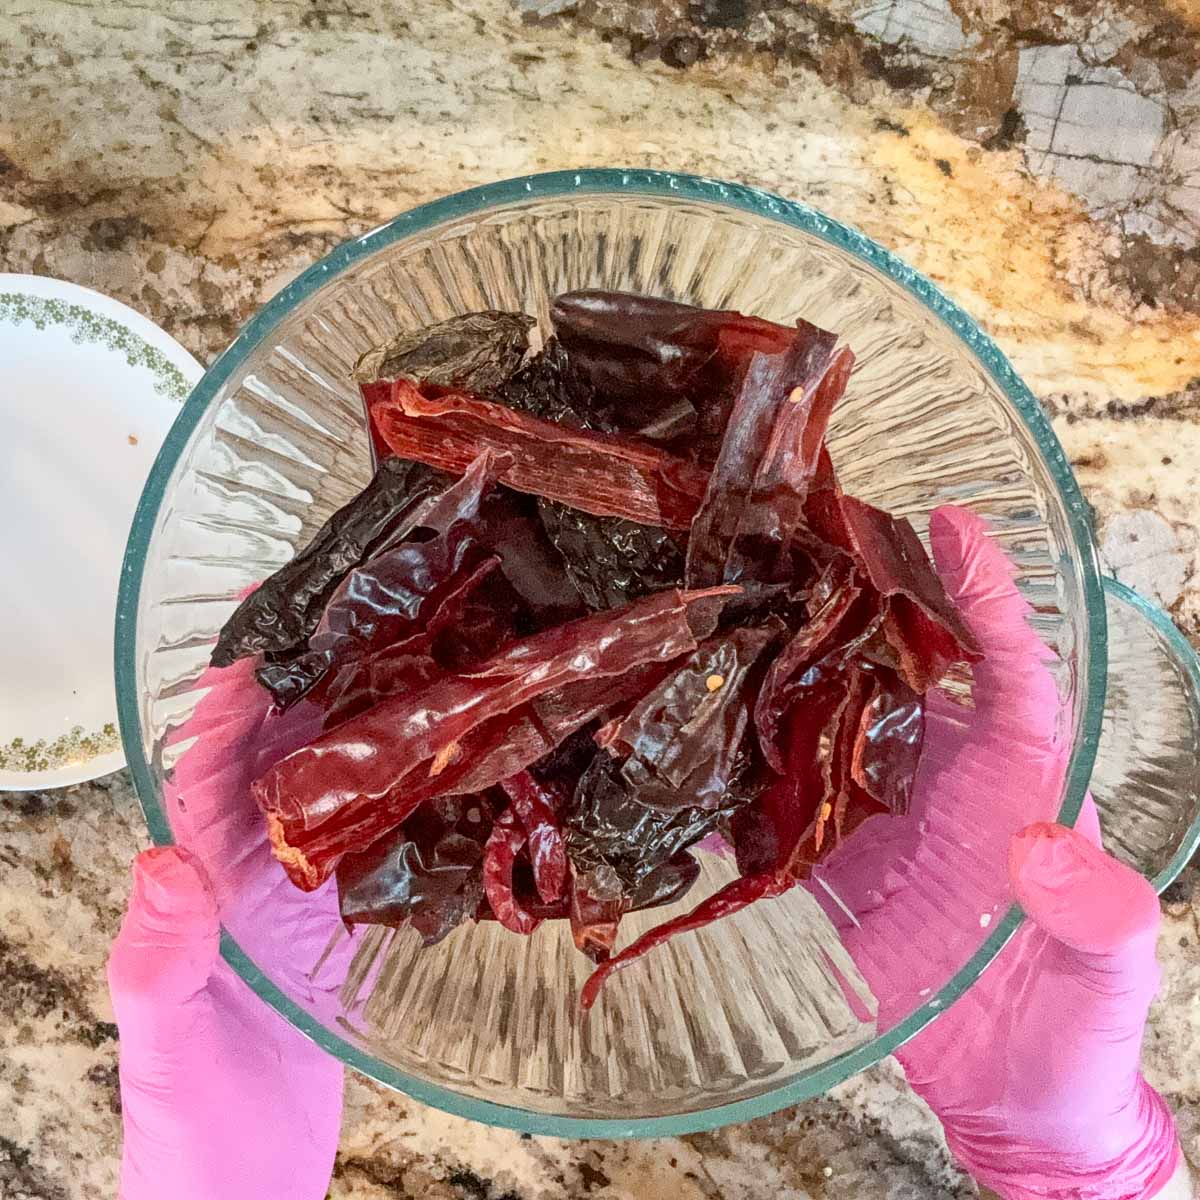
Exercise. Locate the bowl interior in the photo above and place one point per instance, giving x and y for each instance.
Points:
(760, 1009)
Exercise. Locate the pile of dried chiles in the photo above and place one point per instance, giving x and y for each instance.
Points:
(598, 602)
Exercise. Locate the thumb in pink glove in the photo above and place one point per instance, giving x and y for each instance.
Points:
(220, 1096)
(1035, 1071)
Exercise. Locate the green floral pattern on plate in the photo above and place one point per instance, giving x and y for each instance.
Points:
(87, 326)
(73, 747)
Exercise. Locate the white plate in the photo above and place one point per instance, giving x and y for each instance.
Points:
(88, 390)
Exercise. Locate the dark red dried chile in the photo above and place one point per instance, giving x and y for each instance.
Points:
(278, 616)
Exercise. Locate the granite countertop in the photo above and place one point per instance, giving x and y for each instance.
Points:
(1041, 161)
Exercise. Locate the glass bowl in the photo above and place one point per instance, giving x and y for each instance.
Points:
(763, 1009)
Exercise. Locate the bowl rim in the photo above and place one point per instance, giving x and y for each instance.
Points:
(630, 183)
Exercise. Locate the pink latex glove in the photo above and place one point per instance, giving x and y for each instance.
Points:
(1034, 1072)
(220, 1096)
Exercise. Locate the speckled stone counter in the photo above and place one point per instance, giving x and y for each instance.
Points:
(1041, 162)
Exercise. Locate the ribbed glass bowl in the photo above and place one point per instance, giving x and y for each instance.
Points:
(759, 1010)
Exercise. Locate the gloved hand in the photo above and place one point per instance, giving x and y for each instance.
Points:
(221, 1097)
(1034, 1072)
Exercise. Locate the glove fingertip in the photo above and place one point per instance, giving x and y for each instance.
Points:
(952, 529)
(959, 538)
(968, 559)
(171, 889)
(170, 937)
(1080, 895)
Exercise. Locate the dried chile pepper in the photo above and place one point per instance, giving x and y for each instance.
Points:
(375, 768)
(682, 741)
(616, 843)
(499, 859)
(477, 351)
(610, 560)
(659, 368)
(377, 605)
(428, 875)
(278, 616)
(732, 898)
(767, 458)
(599, 473)
(536, 807)
(887, 745)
